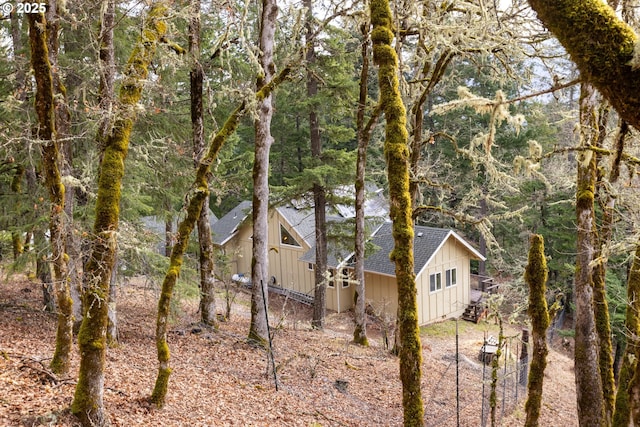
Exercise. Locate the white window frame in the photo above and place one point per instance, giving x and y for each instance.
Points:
(282, 242)
(451, 278)
(332, 275)
(310, 266)
(437, 282)
(345, 279)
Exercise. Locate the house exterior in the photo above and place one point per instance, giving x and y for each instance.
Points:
(442, 267)
(442, 262)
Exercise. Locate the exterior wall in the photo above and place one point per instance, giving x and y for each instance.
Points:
(447, 302)
(381, 292)
(283, 259)
(340, 297)
(238, 249)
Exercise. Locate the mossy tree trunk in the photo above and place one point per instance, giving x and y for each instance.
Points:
(588, 380)
(106, 96)
(535, 276)
(364, 131)
(199, 192)
(396, 151)
(46, 132)
(263, 141)
(628, 376)
(602, 237)
(207, 262)
(88, 403)
(601, 45)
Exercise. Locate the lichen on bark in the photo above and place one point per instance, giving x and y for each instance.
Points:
(601, 45)
(628, 380)
(396, 152)
(88, 403)
(536, 278)
(46, 131)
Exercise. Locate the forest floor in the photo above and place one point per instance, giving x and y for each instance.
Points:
(219, 379)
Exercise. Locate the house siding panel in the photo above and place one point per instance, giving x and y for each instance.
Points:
(448, 302)
(382, 294)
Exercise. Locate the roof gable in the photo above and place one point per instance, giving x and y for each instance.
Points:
(227, 226)
(427, 242)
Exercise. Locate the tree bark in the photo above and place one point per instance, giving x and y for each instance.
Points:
(536, 277)
(602, 47)
(622, 416)
(600, 304)
(263, 141)
(88, 403)
(396, 153)
(198, 195)
(364, 136)
(45, 110)
(588, 381)
(319, 196)
(207, 263)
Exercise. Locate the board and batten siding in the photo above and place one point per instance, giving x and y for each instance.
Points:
(447, 302)
(284, 262)
(381, 292)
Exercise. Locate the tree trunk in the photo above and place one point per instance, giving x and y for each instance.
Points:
(536, 277)
(112, 313)
(196, 199)
(588, 381)
(364, 136)
(43, 270)
(628, 377)
(602, 47)
(396, 152)
(319, 196)
(207, 275)
(600, 304)
(88, 403)
(16, 187)
(45, 110)
(263, 140)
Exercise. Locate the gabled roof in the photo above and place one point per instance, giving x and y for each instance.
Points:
(227, 226)
(426, 243)
(337, 253)
(302, 221)
(156, 225)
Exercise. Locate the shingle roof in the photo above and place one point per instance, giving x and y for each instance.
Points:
(227, 226)
(427, 240)
(336, 253)
(156, 224)
(302, 220)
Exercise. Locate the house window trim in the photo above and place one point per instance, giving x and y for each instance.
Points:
(451, 278)
(331, 284)
(297, 245)
(345, 279)
(310, 266)
(436, 274)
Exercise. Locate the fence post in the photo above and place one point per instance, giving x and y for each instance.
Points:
(524, 357)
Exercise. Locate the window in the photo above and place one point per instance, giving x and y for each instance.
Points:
(331, 283)
(435, 282)
(345, 279)
(286, 238)
(310, 266)
(450, 278)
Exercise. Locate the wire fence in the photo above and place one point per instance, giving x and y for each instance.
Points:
(470, 403)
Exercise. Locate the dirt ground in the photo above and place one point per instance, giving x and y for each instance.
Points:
(220, 380)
